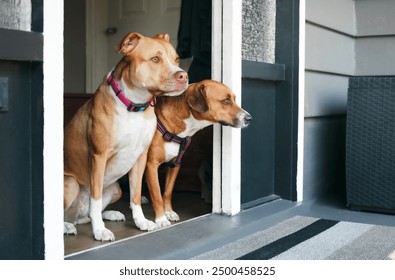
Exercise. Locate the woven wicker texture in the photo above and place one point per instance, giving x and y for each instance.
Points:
(370, 144)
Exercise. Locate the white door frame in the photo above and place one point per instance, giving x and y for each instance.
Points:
(53, 129)
(226, 43)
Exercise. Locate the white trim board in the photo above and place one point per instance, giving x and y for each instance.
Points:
(227, 22)
(53, 129)
(301, 98)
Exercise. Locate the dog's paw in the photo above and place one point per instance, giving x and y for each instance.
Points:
(144, 200)
(172, 216)
(69, 228)
(162, 222)
(112, 215)
(144, 224)
(83, 220)
(104, 235)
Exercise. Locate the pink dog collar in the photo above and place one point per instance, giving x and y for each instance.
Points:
(130, 106)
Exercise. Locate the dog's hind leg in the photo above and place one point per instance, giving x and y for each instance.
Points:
(112, 194)
(70, 193)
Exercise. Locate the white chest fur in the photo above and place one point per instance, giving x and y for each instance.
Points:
(192, 126)
(134, 132)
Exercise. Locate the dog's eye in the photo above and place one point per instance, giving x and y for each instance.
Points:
(226, 101)
(155, 59)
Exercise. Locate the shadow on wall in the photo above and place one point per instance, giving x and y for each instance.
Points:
(325, 157)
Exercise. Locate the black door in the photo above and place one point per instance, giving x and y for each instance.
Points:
(270, 95)
(21, 141)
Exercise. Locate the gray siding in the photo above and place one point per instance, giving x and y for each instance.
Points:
(325, 95)
(344, 38)
(375, 42)
(375, 56)
(335, 14)
(375, 17)
(330, 60)
(329, 51)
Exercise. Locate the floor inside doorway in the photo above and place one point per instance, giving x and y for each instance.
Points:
(188, 205)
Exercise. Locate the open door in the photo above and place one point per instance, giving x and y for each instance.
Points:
(21, 124)
(270, 94)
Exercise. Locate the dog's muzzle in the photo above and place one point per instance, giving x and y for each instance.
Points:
(243, 119)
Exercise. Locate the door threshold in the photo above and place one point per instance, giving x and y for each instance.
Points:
(259, 201)
(193, 237)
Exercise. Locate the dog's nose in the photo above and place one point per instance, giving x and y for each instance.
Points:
(181, 76)
(247, 118)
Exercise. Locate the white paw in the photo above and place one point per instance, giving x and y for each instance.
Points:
(144, 200)
(138, 217)
(144, 224)
(112, 215)
(84, 220)
(162, 222)
(172, 216)
(104, 235)
(69, 228)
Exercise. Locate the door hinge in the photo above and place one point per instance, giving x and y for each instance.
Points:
(4, 93)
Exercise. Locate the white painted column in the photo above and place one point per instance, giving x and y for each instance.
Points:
(231, 76)
(53, 129)
(301, 84)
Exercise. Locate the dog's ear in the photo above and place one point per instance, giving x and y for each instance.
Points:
(164, 36)
(129, 42)
(197, 100)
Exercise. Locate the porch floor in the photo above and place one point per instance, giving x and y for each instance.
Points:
(188, 239)
(188, 205)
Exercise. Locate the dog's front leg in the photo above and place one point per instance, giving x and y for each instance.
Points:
(135, 184)
(100, 232)
(171, 176)
(151, 173)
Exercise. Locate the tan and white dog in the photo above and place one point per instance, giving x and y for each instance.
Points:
(110, 134)
(202, 104)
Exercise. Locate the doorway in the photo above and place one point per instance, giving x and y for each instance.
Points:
(100, 25)
(256, 165)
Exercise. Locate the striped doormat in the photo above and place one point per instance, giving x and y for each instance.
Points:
(307, 238)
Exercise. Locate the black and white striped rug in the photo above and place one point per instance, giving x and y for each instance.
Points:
(307, 238)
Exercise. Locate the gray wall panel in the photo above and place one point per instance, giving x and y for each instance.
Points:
(330, 99)
(375, 17)
(375, 56)
(329, 51)
(335, 14)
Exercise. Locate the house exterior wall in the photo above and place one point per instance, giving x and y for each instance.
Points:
(375, 42)
(344, 38)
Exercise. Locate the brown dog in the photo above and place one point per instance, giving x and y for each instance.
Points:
(110, 134)
(180, 117)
